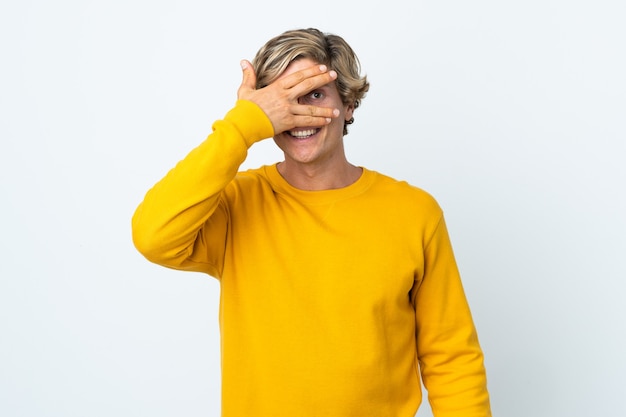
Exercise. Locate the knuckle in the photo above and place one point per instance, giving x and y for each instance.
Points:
(282, 84)
(309, 84)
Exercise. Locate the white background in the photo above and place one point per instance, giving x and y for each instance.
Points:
(511, 113)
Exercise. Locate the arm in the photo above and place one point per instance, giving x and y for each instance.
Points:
(451, 360)
(167, 225)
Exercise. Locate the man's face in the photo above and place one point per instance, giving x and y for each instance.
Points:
(322, 144)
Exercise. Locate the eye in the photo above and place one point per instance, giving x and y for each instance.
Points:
(313, 97)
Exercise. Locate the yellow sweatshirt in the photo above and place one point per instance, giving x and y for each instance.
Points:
(331, 302)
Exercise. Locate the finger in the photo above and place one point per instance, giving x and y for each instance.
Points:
(314, 111)
(307, 116)
(312, 83)
(248, 81)
(310, 78)
(310, 121)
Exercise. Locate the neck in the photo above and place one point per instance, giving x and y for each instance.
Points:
(317, 178)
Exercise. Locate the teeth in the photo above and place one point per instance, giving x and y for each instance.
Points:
(302, 133)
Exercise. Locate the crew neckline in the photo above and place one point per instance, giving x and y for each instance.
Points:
(281, 186)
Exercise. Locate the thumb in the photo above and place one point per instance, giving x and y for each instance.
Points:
(248, 83)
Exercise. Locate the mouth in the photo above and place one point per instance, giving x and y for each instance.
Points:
(302, 133)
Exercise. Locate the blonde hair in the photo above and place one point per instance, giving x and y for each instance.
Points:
(323, 48)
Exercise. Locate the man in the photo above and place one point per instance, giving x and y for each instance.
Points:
(338, 284)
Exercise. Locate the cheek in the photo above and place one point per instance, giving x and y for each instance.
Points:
(337, 124)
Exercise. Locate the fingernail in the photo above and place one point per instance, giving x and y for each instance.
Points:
(323, 68)
(328, 120)
(336, 112)
(243, 64)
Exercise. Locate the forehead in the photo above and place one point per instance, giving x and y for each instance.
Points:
(297, 65)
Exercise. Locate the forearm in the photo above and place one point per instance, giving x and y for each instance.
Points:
(451, 359)
(166, 224)
(453, 372)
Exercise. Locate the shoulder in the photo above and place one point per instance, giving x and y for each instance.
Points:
(404, 194)
(249, 183)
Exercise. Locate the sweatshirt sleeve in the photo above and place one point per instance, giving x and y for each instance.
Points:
(182, 222)
(450, 357)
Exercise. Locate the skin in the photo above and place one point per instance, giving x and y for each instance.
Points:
(305, 97)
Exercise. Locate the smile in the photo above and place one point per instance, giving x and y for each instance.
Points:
(302, 134)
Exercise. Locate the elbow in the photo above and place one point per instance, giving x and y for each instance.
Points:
(157, 246)
(146, 241)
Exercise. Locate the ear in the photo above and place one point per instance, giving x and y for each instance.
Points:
(349, 111)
